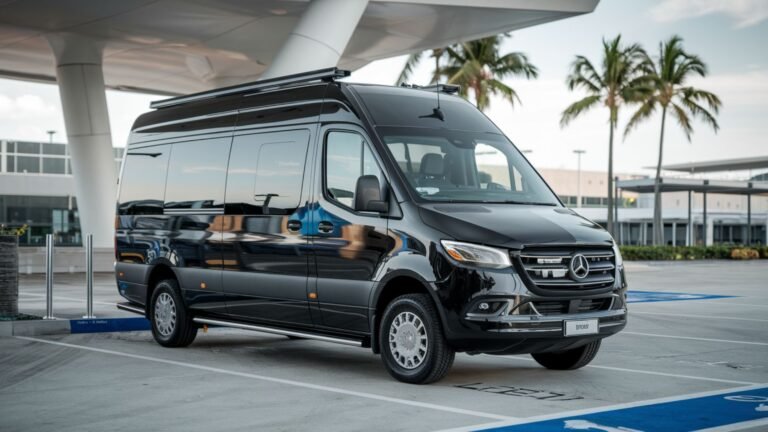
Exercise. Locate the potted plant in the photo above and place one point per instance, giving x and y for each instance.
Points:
(9, 270)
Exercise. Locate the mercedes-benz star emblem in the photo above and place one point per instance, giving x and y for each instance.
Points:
(579, 266)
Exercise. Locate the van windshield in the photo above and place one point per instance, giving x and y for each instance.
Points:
(463, 166)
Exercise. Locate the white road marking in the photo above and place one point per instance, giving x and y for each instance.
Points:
(69, 299)
(606, 408)
(624, 332)
(712, 317)
(639, 371)
(281, 381)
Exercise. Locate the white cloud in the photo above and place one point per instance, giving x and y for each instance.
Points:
(744, 13)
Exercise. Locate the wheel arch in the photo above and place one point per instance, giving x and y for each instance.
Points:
(159, 272)
(395, 284)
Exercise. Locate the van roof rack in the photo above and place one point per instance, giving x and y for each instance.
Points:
(443, 88)
(328, 74)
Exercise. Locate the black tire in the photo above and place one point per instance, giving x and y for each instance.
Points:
(436, 359)
(184, 330)
(569, 359)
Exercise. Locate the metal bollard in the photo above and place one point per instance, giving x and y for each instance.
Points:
(89, 276)
(49, 277)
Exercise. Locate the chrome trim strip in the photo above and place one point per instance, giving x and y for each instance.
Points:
(278, 331)
(534, 319)
(130, 308)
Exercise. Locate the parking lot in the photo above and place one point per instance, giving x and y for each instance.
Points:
(677, 348)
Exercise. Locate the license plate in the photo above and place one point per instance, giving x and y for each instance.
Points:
(581, 327)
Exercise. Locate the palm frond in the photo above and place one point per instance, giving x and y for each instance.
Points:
(683, 119)
(577, 108)
(410, 65)
(646, 109)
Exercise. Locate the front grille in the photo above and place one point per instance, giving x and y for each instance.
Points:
(560, 307)
(550, 269)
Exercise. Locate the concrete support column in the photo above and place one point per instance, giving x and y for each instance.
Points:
(319, 39)
(81, 88)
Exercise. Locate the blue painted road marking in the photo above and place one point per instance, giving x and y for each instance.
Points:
(655, 296)
(108, 325)
(723, 409)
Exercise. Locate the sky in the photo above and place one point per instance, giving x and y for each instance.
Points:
(728, 35)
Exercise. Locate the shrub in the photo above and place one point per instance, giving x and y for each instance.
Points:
(679, 253)
(744, 253)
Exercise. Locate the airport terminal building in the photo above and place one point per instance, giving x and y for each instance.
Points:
(37, 188)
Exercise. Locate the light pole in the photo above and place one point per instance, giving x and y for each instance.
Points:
(50, 136)
(578, 178)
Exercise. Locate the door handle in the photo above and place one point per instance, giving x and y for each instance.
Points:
(294, 225)
(325, 227)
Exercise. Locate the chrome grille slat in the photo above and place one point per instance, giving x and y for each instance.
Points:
(551, 268)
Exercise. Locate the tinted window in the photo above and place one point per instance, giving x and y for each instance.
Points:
(347, 157)
(196, 174)
(266, 172)
(143, 181)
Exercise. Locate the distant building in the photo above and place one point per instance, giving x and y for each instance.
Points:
(37, 189)
(726, 213)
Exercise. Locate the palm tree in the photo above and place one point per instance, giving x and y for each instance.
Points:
(476, 66)
(667, 77)
(620, 80)
(414, 60)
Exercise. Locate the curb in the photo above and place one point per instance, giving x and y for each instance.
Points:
(75, 326)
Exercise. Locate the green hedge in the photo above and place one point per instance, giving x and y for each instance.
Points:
(673, 253)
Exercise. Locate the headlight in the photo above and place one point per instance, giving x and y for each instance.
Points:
(617, 252)
(472, 254)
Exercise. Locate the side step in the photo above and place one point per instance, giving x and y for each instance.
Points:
(130, 307)
(295, 333)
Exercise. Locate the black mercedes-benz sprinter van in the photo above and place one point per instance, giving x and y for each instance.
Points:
(395, 218)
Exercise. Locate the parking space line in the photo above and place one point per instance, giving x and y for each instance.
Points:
(587, 411)
(645, 372)
(625, 332)
(716, 317)
(280, 381)
(737, 426)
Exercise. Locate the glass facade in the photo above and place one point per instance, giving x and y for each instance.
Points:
(24, 157)
(55, 215)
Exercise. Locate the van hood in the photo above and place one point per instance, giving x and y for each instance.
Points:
(513, 226)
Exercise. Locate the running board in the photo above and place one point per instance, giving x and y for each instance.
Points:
(131, 308)
(278, 331)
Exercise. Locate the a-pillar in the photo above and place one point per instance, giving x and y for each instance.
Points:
(319, 39)
(81, 88)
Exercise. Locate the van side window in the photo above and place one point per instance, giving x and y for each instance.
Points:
(266, 172)
(143, 181)
(347, 157)
(196, 174)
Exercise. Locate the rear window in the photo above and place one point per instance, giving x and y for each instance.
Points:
(142, 186)
(404, 107)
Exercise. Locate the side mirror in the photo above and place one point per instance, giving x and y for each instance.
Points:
(368, 195)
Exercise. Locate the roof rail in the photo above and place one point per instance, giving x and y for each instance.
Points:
(328, 74)
(443, 88)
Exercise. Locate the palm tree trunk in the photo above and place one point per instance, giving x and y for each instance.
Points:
(658, 224)
(609, 224)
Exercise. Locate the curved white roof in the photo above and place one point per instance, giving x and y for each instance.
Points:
(177, 46)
